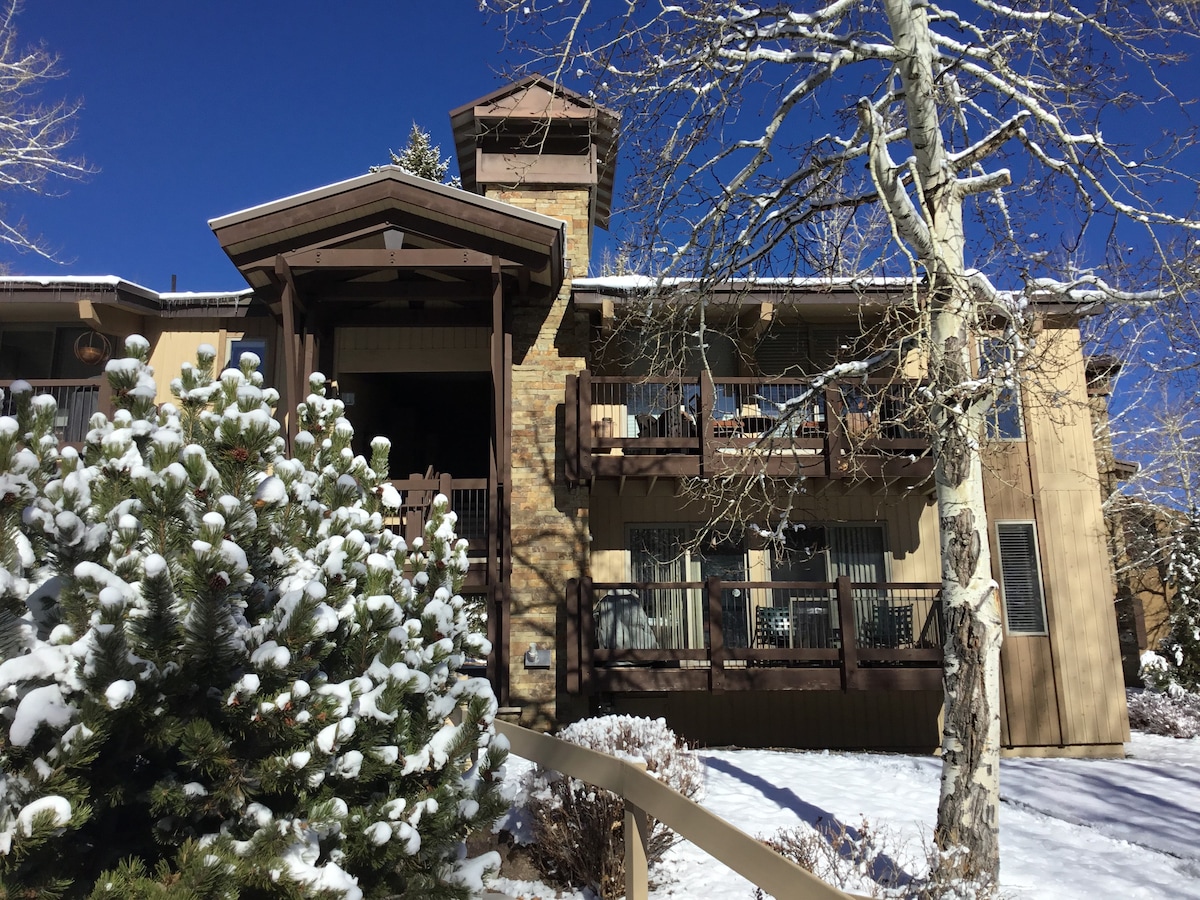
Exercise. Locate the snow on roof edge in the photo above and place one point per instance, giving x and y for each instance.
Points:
(116, 282)
(625, 283)
(645, 282)
(389, 171)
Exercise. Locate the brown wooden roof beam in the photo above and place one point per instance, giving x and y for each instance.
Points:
(392, 259)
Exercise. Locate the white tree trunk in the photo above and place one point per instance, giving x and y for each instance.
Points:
(967, 827)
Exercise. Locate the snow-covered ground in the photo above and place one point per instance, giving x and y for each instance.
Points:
(1088, 829)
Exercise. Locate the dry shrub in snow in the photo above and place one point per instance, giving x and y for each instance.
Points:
(871, 863)
(1174, 713)
(578, 831)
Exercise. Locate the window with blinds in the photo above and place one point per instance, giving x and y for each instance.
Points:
(1024, 606)
(799, 350)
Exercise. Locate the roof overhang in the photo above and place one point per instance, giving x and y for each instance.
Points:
(381, 210)
(30, 292)
(815, 296)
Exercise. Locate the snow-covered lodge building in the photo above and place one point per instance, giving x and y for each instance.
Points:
(458, 323)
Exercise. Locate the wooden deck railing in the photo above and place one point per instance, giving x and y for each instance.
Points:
(476, 503)
(645, 796)
(771, 635)
(77, 400)
(677, 426)
(469, 499)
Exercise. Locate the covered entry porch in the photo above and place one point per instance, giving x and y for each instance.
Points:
(401, 290)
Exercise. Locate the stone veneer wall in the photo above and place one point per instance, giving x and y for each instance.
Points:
(549, 520)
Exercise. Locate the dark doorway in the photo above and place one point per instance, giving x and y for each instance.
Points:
(441, 420)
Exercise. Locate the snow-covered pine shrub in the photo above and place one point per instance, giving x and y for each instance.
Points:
(578, 830)
(1174, 714)
(1155, 673)
(220, 675)
(1181, 646)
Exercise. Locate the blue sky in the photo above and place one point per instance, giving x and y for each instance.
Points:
(195, 110)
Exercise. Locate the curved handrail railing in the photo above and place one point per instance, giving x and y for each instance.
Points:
(645, 796)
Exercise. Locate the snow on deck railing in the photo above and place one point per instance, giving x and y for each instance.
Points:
(645, 796)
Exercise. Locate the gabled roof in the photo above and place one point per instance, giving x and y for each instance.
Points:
(536, 99)
(389, 201)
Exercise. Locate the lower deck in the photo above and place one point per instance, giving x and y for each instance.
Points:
(717, 636)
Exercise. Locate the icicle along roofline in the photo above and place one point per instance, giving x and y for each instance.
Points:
(123, 293)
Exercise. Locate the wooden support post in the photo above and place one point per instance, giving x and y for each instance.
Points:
(506, 513)
(416, 502)
(573, 636)
(446, 487)
(637, 835)
(585, 424)
(571, 427)
(104, 397)
(309, 364)
(587, 635)
(845, 602)
(291, 362)
(837, 447)
(716, 635)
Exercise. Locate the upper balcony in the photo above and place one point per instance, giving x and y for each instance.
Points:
(676, 426)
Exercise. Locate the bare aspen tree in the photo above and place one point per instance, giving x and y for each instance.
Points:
(989, 135)
(34, 135)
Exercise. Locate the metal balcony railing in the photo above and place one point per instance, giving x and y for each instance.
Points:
(77, 400)
(725, 635)
(632, 425)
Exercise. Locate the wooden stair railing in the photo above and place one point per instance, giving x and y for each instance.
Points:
(646, 796)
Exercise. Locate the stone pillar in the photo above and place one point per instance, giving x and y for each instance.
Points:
(549, 528)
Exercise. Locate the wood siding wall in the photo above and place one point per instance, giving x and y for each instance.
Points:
(1063, 688)
(174, 341)
(910, 523)
(814, 720)
(417, 349)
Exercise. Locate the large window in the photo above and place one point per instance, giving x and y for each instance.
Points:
(1004, 418)
(1021, 578)
(664, 553)
(257, 346)
(825, 552)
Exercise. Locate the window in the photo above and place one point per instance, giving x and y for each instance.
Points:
(825, 552)
(1004, 418)
(1021, 578)
(257, 346)
(663, 553)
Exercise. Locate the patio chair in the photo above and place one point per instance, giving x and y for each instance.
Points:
(772, 626)
(893, 627)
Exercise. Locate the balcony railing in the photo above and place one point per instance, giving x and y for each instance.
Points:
(476, 503)
(77, 400)
(628, 425)
(470, 500)
(769, 635)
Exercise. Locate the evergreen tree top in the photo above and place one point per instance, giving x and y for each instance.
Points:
(421, 158)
